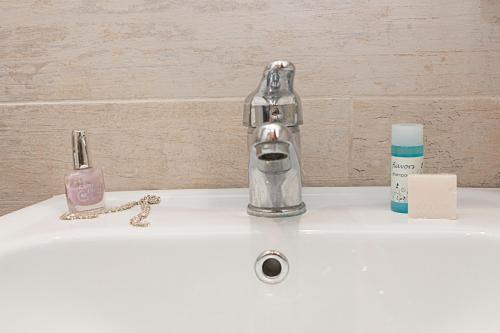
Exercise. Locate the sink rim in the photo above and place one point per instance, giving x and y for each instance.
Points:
(199, 212)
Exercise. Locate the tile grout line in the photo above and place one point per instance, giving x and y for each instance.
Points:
(349, 142)
(240, 99)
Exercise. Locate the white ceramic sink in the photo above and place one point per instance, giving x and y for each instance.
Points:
(354, 267)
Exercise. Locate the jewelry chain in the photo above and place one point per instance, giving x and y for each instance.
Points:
(137, 221)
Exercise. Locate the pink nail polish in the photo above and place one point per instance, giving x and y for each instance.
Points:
(85, 184)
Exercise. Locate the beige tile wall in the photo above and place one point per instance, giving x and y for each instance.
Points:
(160, 84)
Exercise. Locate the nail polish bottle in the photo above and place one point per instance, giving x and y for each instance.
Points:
(85, 184)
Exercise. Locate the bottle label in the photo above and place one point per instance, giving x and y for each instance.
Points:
(401, 167)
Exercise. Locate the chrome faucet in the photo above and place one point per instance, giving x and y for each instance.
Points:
(273, 113)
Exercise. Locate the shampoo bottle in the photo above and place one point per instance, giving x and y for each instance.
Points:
(407, 152)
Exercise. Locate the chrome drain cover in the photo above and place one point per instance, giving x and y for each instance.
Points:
(271, 267)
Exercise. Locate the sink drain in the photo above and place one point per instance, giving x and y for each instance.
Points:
(271, 267)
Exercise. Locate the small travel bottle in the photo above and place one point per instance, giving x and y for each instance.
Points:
(85, 184)
(407, 152)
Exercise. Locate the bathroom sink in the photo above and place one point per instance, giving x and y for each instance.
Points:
(354, 266)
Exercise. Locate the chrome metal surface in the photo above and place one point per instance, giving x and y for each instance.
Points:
(81, 158)
(272, 114)
(274, 99)
(271, 267)
(277, 212)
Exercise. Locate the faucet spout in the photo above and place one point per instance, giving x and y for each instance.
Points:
(273, 148)
(274, 173)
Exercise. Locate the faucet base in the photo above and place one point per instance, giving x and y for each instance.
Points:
(277, 212)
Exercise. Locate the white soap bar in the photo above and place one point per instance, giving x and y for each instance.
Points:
(432, 196)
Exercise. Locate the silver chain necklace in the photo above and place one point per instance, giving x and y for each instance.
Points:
(137, 221)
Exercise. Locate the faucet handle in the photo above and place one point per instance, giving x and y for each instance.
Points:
(274, 73)
(274, 100)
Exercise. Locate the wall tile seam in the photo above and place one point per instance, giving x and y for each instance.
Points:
(241, 99)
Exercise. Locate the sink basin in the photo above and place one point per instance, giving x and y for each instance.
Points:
(354, 266)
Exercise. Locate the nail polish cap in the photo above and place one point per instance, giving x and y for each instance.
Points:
(407, 135)
(81, 159)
